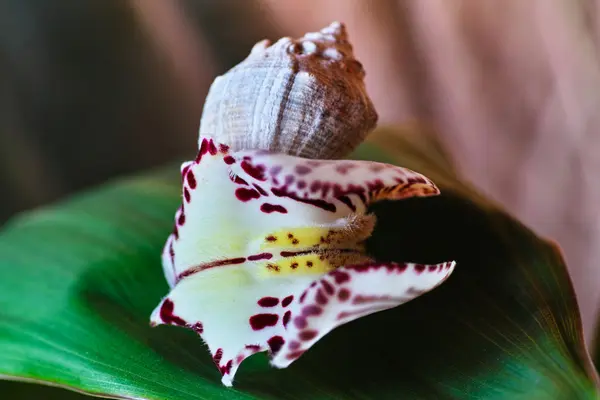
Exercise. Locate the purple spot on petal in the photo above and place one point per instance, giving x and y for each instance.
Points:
(311, 310)
(328, 287)
(261, 256)
(286, 301)
(268, 301)
(244, 194)
(261, 321)
(302, 169)
(307, 335)
(191, 179)
(300, 322)
(320, 297)
(275, 343)
(286, 318)
(167, 315)
(271, 208)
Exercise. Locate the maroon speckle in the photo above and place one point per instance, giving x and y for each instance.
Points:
(289, 179)
(419, 268)
(226, 368)
(392, 267)
(316, 185)
(275, 170)
(223, 148)
(344, 168)
(300, 322)
(269, 208)
(301, 184)
(275, 343)
(294, 253)
(337, 190)
(205, 266)
(167, 316)
(253, 348)
(360, 299)
(271, 238)
(294, 355)
(325, 189)
(376, 185)
(261, 321)
(448, 265)
(261, 256)
(307, 335)
(321, 298)
(186, 195)
(268, 302)
(181, 219)
(359, 313)
(244, 194)
(203, 150)
(229, 160)
(294, 345)
(255, 171)
(302, 297)
(432, 268)
(283, 192)
(340, 277)
(294, 265)
(260, 190)
(236, 179)
(286, 318)
(309, 264)
(343, 294)
(191, 179)
(176, 232)
(212, 149)
(302, 169)
(185, 170)
(311, 310)
(198, 328)
(328, 287)
(286, 301)
(171, 252)
(217, 357)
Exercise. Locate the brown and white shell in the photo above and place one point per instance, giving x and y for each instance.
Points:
(304, 97)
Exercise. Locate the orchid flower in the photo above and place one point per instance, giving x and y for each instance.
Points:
(268, 253)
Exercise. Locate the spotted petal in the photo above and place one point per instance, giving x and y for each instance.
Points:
(239, 314)
(259, 234)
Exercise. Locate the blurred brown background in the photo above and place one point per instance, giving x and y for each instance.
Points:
(96, 89)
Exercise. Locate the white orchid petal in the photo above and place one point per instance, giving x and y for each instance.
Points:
(260, 237)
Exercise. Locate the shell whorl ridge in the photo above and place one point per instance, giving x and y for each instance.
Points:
(305, 97)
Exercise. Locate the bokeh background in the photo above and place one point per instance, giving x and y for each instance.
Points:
(92, 90)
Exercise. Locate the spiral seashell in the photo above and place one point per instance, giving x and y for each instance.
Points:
(304, 97)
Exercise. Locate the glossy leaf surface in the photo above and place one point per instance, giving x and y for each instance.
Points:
(78, 282)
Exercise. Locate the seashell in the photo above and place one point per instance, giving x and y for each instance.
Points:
(304, 97)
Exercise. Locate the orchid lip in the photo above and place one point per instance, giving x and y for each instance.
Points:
(268, 252)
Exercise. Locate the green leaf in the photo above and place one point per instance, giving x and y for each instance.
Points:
(79, 279)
